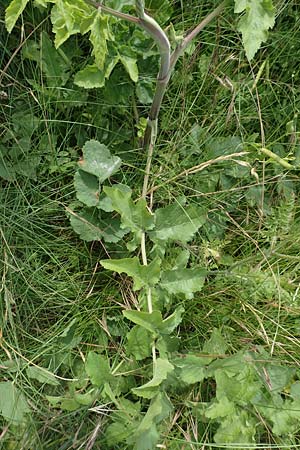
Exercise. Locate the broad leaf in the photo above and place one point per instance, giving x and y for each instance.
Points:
(153, 321)
(13, 12)
(71, 17)
(192, 368)
(216, 344)
(139, 342)
(170, 323)
(90, 77)
(135, 216)
(150, 321)
(183, 281)
(54, 66)
(258, 18)
(176, 223)
(141, 275)
(87, 188)
(239, 428)
(98, 37)
(131, 66)
(97, 160)
(98, 369)
(146, 436)
(222, 408)
(64, 403)
(42, 375)
(13, 405)
(162, 367)
(91, 227)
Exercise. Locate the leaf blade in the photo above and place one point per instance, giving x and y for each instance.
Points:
(258, 18)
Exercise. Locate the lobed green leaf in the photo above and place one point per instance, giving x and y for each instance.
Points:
(258, 18)
(13, 12)
(176, 223)
(142, 275)
(183, 281)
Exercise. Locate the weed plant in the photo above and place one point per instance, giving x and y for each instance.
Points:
(58, 305)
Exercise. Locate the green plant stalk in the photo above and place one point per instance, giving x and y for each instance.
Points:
(165, 75)
(112, 12)
(167, 64)
(276, 158)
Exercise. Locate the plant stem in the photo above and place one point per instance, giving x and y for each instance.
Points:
(149, 293)
(164, 76)
(276, 158)
(113, 12)
(152, 127)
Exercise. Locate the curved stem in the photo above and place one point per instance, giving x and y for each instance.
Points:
(113, 12)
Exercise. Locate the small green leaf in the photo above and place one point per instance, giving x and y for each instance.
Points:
(87, 188)
(97, 160)
(64, 403)
(216, 344)
(42, 375)
(239, 428)
(119, 432)
(13, 405)
(183, 281)
(13, 12)
(192, 368)
(258, 18)
(136, 217)
(69, 18)
(105, 203)
(150, 321)
(295, 390)
(142, 275)
(222, 408)
(90, 77)
(162, 367)
(177, 223)
(144, 91)
(139, 342)
(279, 377)
(91, 227)
(84, 399)
(170, 323)
(146, 436)
(131, 67)
(98, 369)
(53, 65)
(7, 171)
(98, 37)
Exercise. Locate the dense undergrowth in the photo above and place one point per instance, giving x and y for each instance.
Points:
(60, 309)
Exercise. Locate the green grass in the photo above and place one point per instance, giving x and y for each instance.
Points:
(250, 248)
